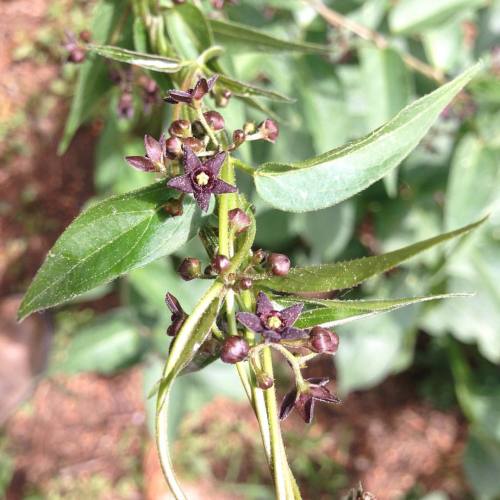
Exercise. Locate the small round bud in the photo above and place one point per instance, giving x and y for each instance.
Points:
(85, 36)
(259, 256)
(180, 128)
(269, 130)
(245, 283)
(190, 269)
(234, 350)
(77, 55)
(195, 144)
(238, 220)
(214, 120)
(126, 105)
(198, 130)
(322, 340)
(179, 2)
(173, 147)
(220, 264)
(173, 207)
(264, 381)
(239, 137)
(278, 264)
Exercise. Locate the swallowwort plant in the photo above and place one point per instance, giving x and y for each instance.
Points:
(258, 302)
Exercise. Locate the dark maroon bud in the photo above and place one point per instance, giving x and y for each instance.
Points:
(179, 2)
(238, 220)
(234, 350)
(198, 130)
(175, 326)
(215, 120)
(126, 105)
(259, 256)
(218, 4)
(239, 137)
(85, 36)
(77, 55)
(322, 340)
(264, 381)
(269, 130)
(173, 207)
(190, 269)
(220, 264)
(278, 264)
(173, 147)
(245, 283)
(195, 144)
(180, 128)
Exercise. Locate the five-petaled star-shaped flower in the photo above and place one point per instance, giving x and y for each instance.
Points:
(200, 179)
(305, 400)
(272, 324)
(154, 157)
(202, 87)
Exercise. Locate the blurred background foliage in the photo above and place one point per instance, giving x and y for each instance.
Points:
(450, 180)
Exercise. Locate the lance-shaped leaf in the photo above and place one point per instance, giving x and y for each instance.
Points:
(243, 89)
(331, 313)
(146, 61)
(340, 275)
(247, 39)
(332, 177)
(93, 80)
(108, 239)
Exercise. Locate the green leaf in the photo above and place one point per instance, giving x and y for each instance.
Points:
(189, 31)
(248, 39)
(410, 16)
(243, 89)
(93, 80)
(108, 239)
(108, 344)
(347, 274)
(332, 177)
(145, 61)
(331, 313)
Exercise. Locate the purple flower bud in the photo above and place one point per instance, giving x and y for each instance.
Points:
(173, 147)
(322, 340)
(179, 2)
(180, 128)
(198, 130)
(126, 105)
(245, 283)
(278, 264)
(77, 55)
(220, 264)
(239, 137)
(178, 315)
(195, 144)
(190, 269)
(269, 130)
(85, 36)
(173, 207)
(234, 350)
(214, 120)
(238, 220)
(264, 381)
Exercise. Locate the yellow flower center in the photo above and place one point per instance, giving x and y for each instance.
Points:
(202, 179)
(274, 322)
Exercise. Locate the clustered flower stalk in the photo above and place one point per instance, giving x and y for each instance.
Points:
(194, 155)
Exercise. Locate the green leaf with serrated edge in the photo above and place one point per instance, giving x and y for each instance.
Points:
(410, 16)
(191, 336)
(332, 177)
(93, 80)
(145, 61)
(331, 313)
(189, 31)
(347, 274)
(243, 89)
(108, 239)
(238, 36)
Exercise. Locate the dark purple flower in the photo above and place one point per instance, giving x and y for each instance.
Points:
(201, 179)
(190, 96)
(154, 157)
(178, 315)
(272, 324)
(305, 400)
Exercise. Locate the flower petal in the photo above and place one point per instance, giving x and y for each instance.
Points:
(271, 335)
(291, 333)
(264, 305)
(153, 148)
(179, 96)
(305, 406)
(190, 160)
(141, 163)
(318, 380)
(323, 394)
(181, 183)
(211, 82)
(173, 304)
(203, 199)
(221, 187)
(214, 164)
(291, 314)
(287, 404)
(250, 320)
